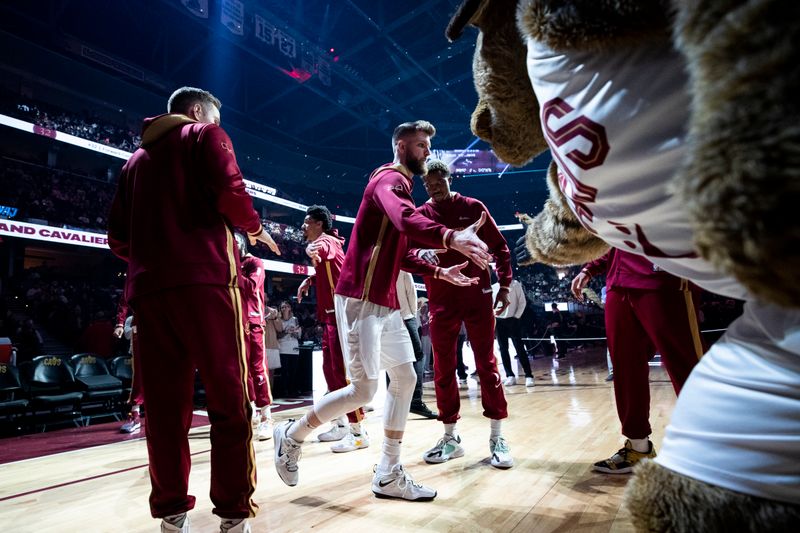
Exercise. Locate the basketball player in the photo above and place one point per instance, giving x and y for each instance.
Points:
(370, 323)
(473, 305)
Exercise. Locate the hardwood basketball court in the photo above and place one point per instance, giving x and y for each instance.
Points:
(556, 431)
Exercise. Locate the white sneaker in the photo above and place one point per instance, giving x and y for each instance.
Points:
(287, 453)
(447, 448)
(170, 527)
(462, 384)
(398, 484)
(132, 425)
(235, 525)
(501, 453)
(336, 432)
(510, 380)
(264, 429)
(351, 443)
(529, 382)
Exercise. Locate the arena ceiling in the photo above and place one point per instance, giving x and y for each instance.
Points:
(325, 78)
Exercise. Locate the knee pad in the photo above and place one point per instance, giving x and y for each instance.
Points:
(364, 390)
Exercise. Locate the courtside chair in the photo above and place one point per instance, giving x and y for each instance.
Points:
(11, 407)
(121, 367)
(101, 391)
(52, 391)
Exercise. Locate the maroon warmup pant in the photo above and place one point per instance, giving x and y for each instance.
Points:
(474, 308)
(639, 323)
(257, 382)
(333, 365)
(137, 395)
(180, 330)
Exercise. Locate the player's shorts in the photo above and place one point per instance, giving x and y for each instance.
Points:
(373, 337)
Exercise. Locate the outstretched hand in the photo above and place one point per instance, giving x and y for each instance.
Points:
(265, 238)
(431, 256)
(453, 275)
(501, 302)
(468, 243)
(302, 290)
(578, 283)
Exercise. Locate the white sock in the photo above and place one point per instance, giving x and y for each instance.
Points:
(641, 445)
(266, 412)
(450, 429)
(300, 429)
(340, 422)
(494, 427)
(136, 409)
(355, 429)
(390, 456)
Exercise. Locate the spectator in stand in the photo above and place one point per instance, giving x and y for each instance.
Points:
(289, 346)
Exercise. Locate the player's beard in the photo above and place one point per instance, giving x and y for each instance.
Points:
(418, 166)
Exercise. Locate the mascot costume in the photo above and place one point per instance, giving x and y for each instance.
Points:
(675, 134)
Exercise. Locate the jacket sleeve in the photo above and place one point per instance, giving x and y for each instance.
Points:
(498, 247)
(225, 180)
(413, 264)
(598, 266)
(393, 197)
(119, 219)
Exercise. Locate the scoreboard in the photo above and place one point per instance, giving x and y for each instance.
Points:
(465, 162)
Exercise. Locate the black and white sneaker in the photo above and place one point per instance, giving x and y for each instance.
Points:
(399, 484)
(287, 453)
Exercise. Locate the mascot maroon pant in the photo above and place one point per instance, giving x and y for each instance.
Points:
(639, 324)
(180, 330)
(474, 308)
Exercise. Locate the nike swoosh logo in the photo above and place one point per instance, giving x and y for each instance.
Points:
(384, 483)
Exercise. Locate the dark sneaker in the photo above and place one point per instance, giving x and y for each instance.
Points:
(423, 410)
(624, 460)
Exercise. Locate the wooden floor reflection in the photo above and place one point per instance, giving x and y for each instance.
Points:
(556, 430)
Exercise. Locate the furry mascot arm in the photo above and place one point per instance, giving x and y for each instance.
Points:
(554, 236)
(741, 181)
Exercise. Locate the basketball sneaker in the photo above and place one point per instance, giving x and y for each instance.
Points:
(624, 460)
(132, 425)
(399, 484)
(264, 429)
(351, 442)
(336, 432)
(447, 448)
(235, 525)
(178, 523)
(529, 382)
(501, 453)
(287, 453)
(510, 380)
(462, 384)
